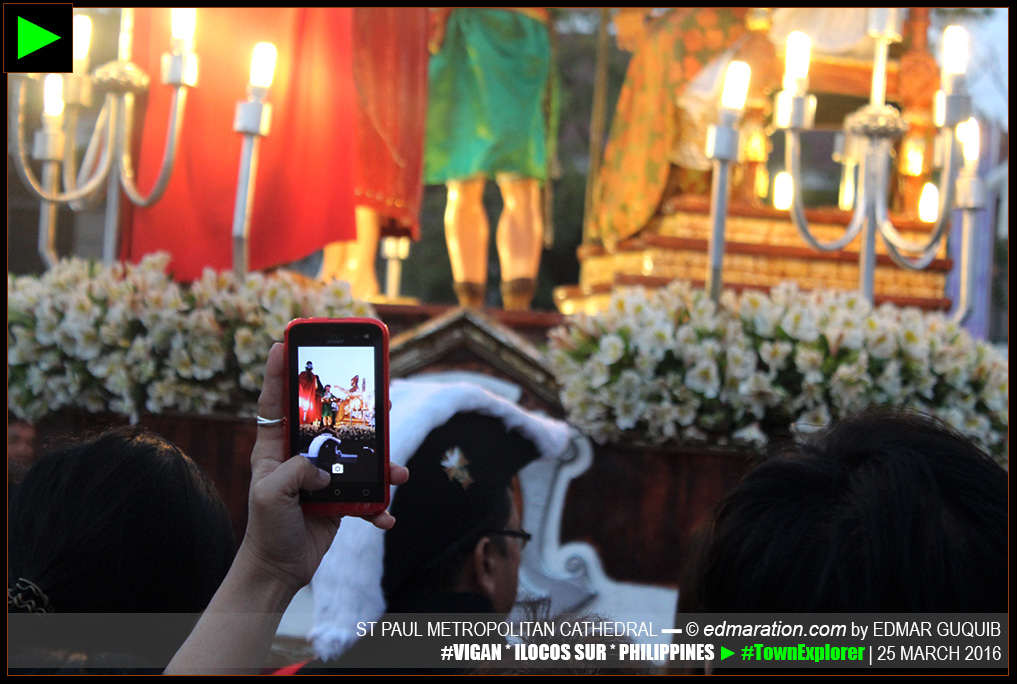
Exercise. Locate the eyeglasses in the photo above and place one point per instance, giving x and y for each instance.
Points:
(521, 535)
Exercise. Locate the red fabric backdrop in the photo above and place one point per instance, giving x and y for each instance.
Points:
(304, 187)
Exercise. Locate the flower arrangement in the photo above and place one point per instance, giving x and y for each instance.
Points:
(128, 339)
(671, 366)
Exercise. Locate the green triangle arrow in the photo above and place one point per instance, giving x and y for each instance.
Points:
(32, 37)
(724, 653)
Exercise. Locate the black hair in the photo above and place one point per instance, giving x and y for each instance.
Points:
(882, 512)
(123, 523)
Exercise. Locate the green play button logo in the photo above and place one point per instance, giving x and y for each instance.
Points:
(31, 37)
(38, 39)
(725, 653)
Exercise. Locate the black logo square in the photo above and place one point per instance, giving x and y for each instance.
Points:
(37, 38)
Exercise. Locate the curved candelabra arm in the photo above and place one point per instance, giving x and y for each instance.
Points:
(963, 310)
(169, 154)
(911, 263)
(793, 162)
(897, 243)
(101, 137)
(24, 169)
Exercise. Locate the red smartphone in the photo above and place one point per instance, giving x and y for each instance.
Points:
(337, 410)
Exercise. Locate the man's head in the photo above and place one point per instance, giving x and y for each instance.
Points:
(460, 523)
(880, 513)
(464, 446)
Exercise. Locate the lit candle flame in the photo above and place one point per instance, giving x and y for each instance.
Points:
(736, 85)
(263, 65)
(955, 50)
(968, 134)
(914, 159)
(82, 32)
(783, 191)
(53, 95)
(796, 58)
(928, 204)
(182, 22)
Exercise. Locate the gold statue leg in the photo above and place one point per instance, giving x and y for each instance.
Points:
(520, 241)
(354, 261)
(467, 232)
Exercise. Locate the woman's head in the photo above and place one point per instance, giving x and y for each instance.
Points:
(882, 512)
(123, 523)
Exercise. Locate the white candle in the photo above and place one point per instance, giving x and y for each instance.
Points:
(885, 22)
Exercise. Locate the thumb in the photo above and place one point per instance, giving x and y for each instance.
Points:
(284, 483)
(305, 474)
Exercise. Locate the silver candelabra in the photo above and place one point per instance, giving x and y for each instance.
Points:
(120, 80)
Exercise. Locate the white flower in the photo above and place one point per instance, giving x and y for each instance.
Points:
(774, 354)
(685, 337)
(686, 412)
(88, 345)
(766, 321)
(843, 334)
(654, 338)
(741, 362)
(646, 364)
(889, 381)
(248, 346)
(694, 434)
(612, 348)
(704, 378)
(758, 393)
(596, 372)
(809, 362)
(800, 324)
(752, 303)
(630, 383)
(880, 341)
(814, 419)
(24, 349)
(628, 413)
(750, 434)
(914, 343)
(812, 393)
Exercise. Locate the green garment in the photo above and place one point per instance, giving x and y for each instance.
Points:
(487, 90)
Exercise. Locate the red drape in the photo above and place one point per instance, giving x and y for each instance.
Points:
(390, 71)
(305, 176)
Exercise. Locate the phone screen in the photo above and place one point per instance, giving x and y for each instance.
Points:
(338, 399)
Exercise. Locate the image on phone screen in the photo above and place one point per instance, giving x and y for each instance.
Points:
(336, 408)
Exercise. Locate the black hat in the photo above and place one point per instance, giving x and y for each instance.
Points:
(460, 475)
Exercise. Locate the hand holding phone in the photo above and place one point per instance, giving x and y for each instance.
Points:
(337, 410)
(281, 550)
